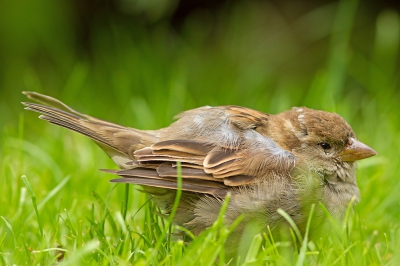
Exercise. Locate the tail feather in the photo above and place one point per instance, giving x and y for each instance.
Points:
(70, 121)
(117, 141)
(52, 102)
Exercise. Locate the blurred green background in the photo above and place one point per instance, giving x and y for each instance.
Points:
(139, 63)
(168, 56)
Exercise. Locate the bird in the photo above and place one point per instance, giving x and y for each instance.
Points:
(265, 162)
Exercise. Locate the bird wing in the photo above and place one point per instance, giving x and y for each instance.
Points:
(217, 147)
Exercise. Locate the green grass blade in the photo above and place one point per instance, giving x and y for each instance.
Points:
(33, 198)
(9, 226)
(50, 195)
(292, 223)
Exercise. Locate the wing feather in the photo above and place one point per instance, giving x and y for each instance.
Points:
(167, 170)
(250, 158)
(187, 146)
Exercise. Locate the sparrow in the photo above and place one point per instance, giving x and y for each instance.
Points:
(265, 162)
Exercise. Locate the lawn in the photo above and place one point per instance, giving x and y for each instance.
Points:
(57, 207)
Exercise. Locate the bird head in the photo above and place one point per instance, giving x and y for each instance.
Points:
(325, 142)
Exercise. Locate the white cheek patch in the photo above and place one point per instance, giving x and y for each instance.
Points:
(299, 110)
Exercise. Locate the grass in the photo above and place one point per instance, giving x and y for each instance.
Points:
(56, 207)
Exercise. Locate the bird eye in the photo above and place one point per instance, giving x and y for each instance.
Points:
(324, 145)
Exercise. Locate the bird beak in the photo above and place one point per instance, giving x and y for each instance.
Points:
(356, 150)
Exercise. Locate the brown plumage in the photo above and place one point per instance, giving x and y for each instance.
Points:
(287, 161)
